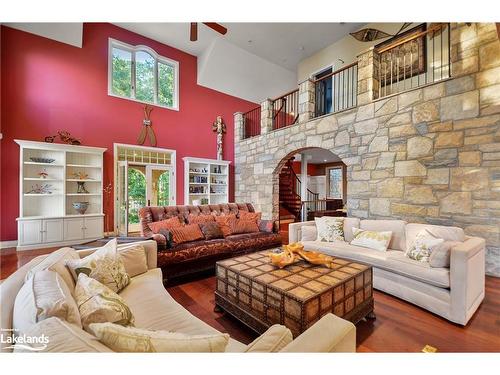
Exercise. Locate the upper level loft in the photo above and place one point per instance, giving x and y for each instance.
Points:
(415, 58)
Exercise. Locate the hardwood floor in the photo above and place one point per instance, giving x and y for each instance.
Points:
(399, 327)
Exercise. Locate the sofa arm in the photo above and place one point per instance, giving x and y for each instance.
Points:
(295, 230)
(329, 334)
(467, 278)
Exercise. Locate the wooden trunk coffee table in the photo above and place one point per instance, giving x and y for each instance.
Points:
(259, 294)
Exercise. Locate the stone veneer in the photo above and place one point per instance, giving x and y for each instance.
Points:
(427, 155)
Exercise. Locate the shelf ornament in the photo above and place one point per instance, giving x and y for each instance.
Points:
(65, 137)
(147, 128)
(220, 128)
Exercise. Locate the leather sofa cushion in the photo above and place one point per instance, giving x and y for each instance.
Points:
(390, 260)
(438, 231)
(187, 233)
(200, 219)
(211, 231)
(167, 224)
(397, 227)
(245, 226)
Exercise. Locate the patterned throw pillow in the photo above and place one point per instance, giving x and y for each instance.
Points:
(98, 304)
(245, 226)
(173, 222)
(252, 216)
(371, 239)
(423, 246)
(330, 228)
(105, 265)
(136, 340)
(266, 226)
(186, 233)
(211, 231)
(200, 219)
(226, 223)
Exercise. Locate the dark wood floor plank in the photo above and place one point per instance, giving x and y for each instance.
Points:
(399, 327)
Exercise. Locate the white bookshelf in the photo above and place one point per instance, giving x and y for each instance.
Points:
(48, 218)
(206, 181)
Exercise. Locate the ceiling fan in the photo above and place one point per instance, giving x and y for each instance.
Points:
(213, 25)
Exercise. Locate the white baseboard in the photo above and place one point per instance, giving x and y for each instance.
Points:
(7, 244)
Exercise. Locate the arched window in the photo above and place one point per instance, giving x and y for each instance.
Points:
(139, 73)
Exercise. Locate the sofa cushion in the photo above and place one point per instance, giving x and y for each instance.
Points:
(226, 223)
(349, 223)
(42, 296)
(308, 233)
(391, 260)
(200, 219)
(374, 240)
(271, 341)
(252, 216)
(56, 262)
(187, 233)
(137, 340)
(424, 245)
(245, 226)
(105, 265)
(397, 227)
(134, 259)
(63, 337)
(438, 231)
(167, 224)
(211, 231)
(330, 228)
(440, 256)
(266, 226)
(98, 304)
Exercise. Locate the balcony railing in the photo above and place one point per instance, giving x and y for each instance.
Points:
(286, 110)
(421, 58)
(337, 91)
(251, 123)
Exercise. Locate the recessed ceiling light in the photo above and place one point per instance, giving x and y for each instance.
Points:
(250, 41)
(325, 160)
(301, 48)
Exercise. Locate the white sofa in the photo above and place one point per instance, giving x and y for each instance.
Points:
(454, 293)
(154, 308)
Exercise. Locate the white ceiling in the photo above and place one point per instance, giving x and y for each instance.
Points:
(318, 156)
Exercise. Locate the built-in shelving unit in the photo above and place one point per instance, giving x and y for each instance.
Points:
(47, 216)
(206, 181)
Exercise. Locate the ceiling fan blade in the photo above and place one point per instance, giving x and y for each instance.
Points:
(217, 27)
(193, 36)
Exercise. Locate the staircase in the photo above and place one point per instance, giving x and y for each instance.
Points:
(290, 202)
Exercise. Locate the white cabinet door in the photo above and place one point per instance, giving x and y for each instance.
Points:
(93, 227)
(30, 232)
(73, 229)
(53, 230)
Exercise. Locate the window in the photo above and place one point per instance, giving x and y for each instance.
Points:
(335, 182)
(139, 73)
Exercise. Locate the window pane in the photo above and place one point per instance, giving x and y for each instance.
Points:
(122, 73)
(335, 183)
(165, 84)
(144, 76)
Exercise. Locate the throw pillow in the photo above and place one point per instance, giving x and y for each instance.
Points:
(252, 216)
(309, 233)
(266, 226)
(371, 239)
(200, 219)
(226, 223)
(134, 259)
(42, 296)
(271, 341)
(187, 233)
(168, 224)
(423, 246)
(98, 304)
(330, 228)
(211, 231)
(62, 338)
(105, 265)
(245, 226)
(440, 255)
(136, 340)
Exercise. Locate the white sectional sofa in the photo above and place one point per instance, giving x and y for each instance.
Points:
(454, 293)
(155, 309)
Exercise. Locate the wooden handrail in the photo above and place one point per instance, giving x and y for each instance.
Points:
(336, 72)
(244, 113)
(433, 28)
(282, 96)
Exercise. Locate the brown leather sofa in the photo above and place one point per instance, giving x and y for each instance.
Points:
(197, 256)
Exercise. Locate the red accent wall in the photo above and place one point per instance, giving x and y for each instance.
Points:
(312, 169)
(48, 86)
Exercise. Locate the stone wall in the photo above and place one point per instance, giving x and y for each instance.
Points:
(427, 155)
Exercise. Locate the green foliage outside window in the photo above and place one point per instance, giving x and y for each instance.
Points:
(136, 194)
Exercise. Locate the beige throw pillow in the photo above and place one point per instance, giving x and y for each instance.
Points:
(271, 341)
(134, 259)
(308, 233)
(441, 254)
(105, 265)
(42, 296)
(330, 228)
(98, 304)
(57, 336)
(136, 340)
(371, 239)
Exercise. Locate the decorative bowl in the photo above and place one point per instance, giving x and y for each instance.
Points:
(42, 160)
(81, 207)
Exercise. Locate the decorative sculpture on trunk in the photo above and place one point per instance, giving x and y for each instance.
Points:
(147, 128)
(220, 128)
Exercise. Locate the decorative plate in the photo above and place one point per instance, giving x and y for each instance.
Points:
(42, 160)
